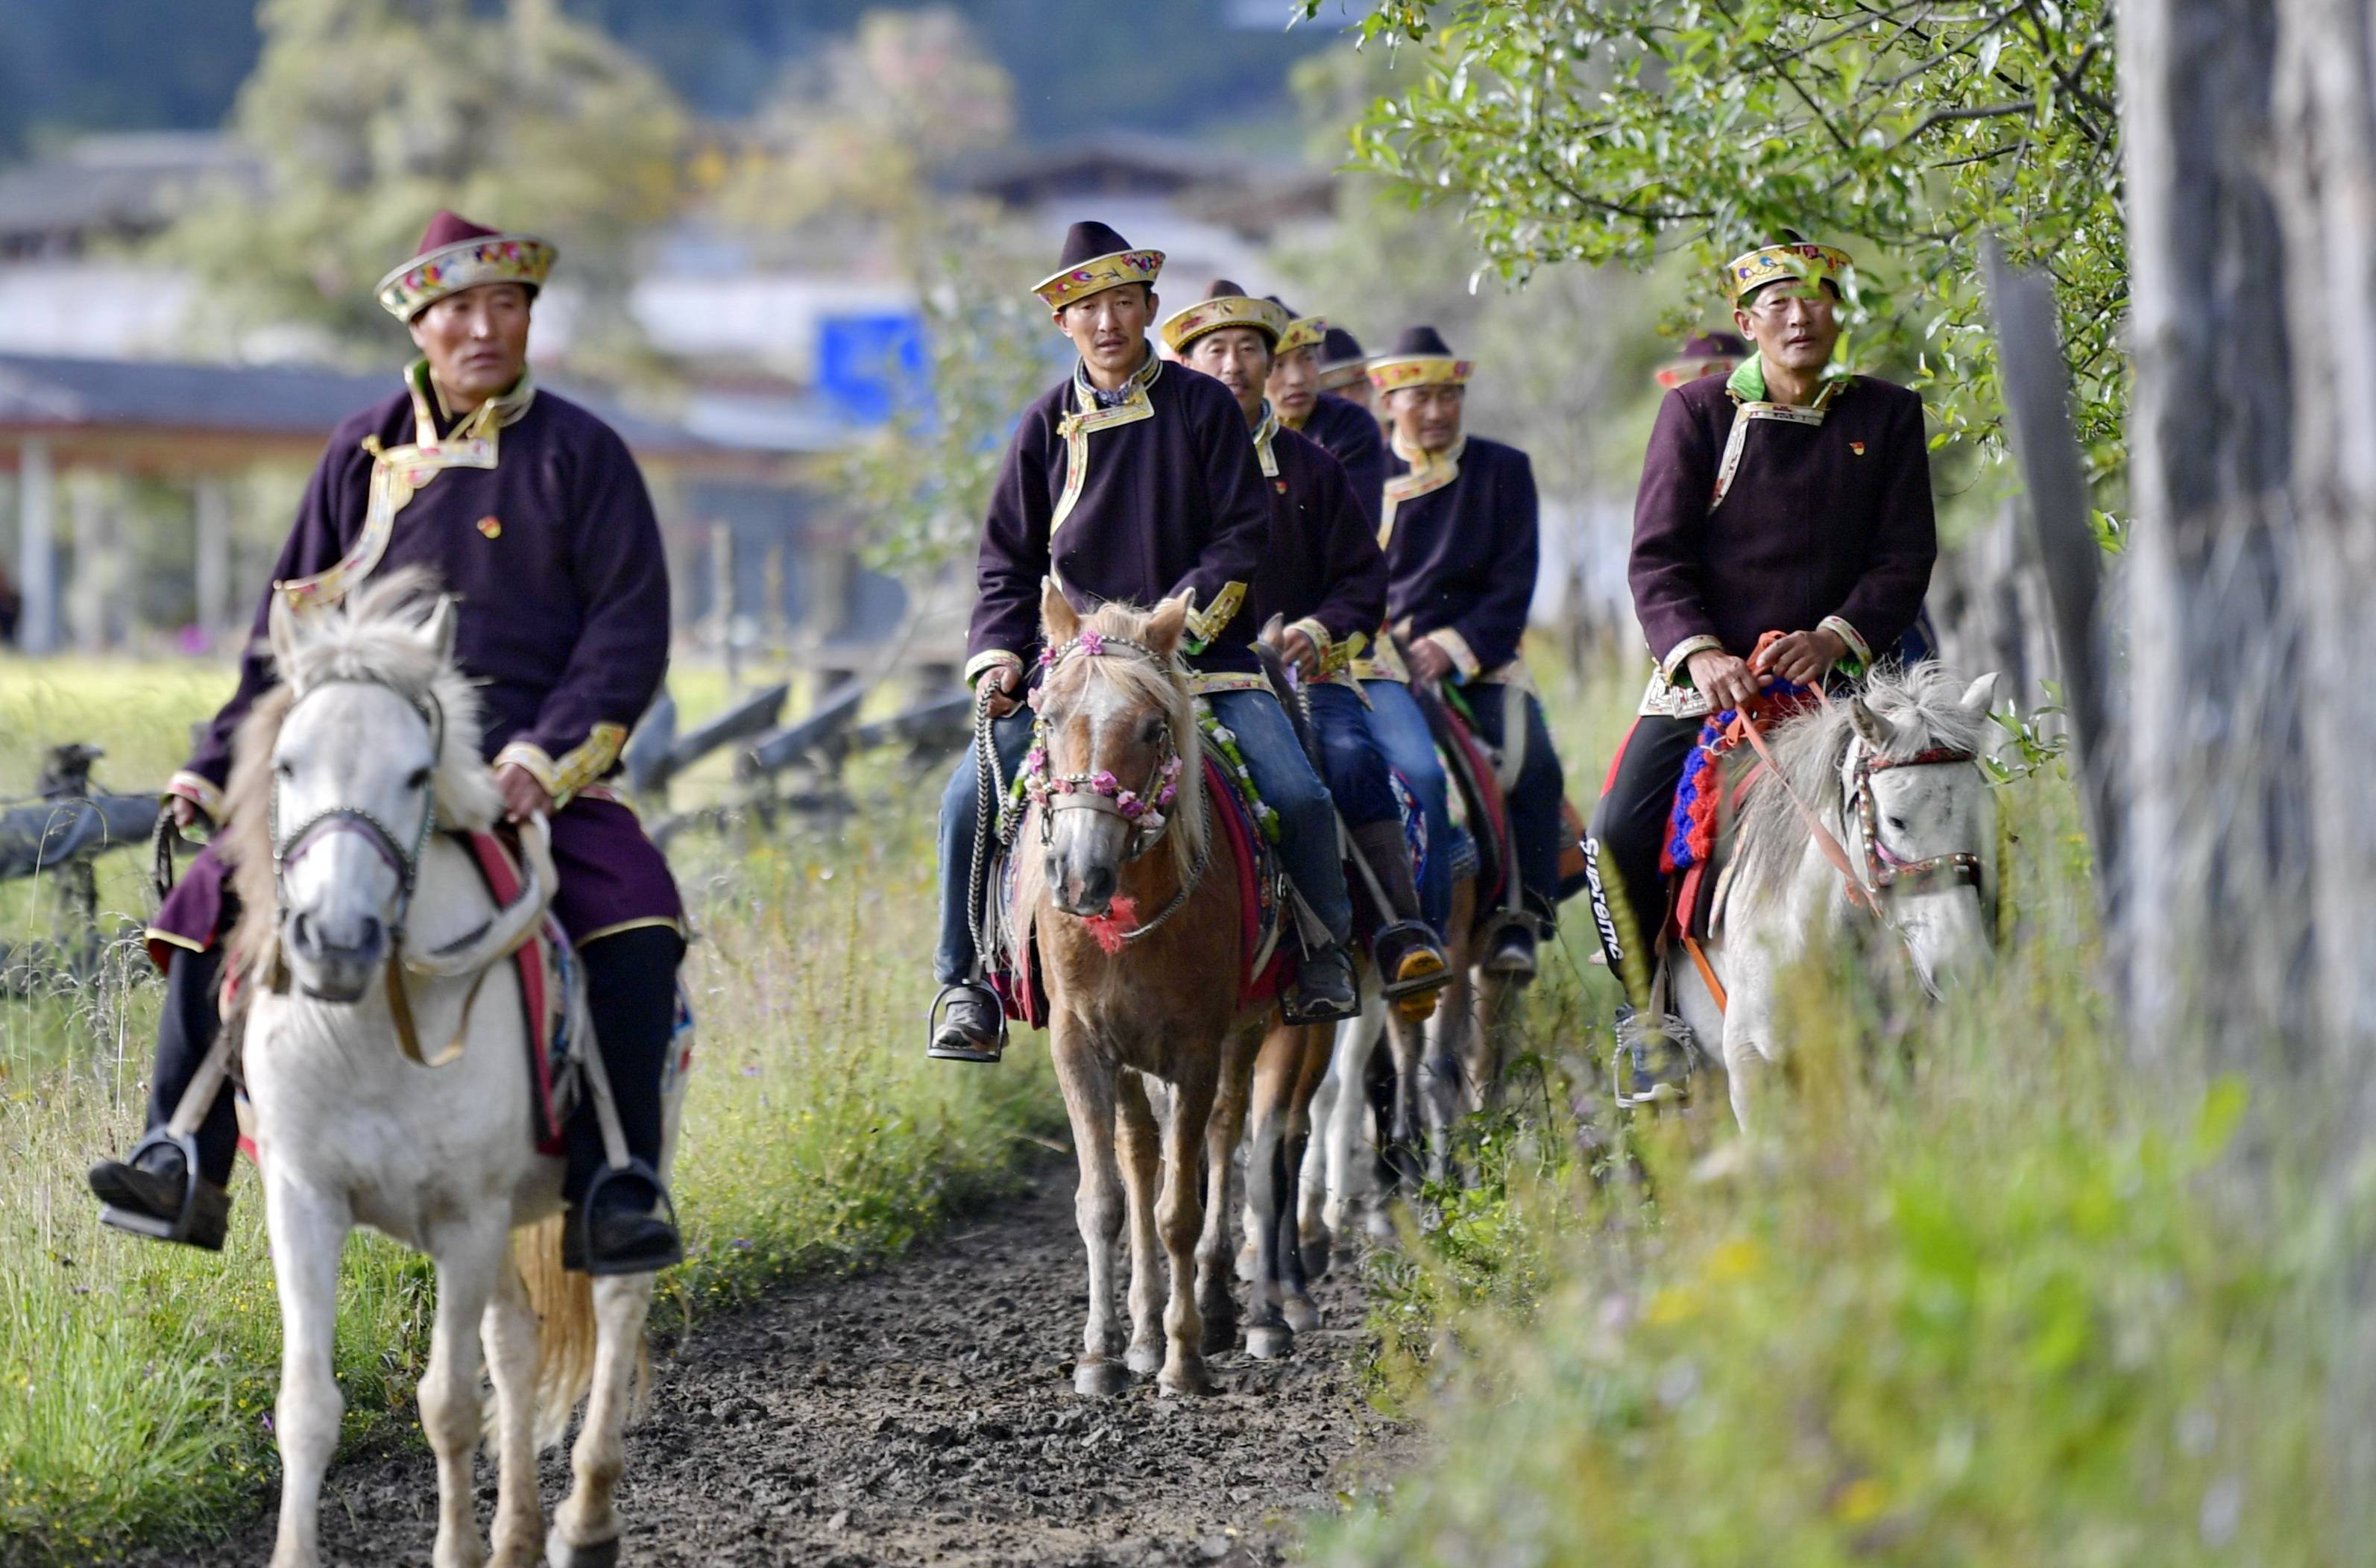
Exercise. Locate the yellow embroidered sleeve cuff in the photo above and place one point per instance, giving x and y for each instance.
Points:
(537, 761)
(1675, 669)
(1859, 648)
(200, 791)
(1456, 646)
(1206, 624)
(988, 660)
(1322, 643)
(586, 761)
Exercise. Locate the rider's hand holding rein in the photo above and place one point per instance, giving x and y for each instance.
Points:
(1004, 682)
(524, 797)
(1726, 681)
(1803, 658)
(1295, 644)
(1428, 661)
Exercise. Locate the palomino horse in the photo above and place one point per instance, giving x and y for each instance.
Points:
(344, 771)
(1133, 904)
(1890, 779)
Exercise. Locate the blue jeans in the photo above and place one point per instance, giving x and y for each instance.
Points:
(1307, 820)
(1534, 798)
(1402, 733)
(1351, 761)
(1307, 823)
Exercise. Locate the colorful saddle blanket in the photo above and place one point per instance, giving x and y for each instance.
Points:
(1708, 796)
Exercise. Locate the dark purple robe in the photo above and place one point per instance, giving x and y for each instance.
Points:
(1352, 434)
(1324, 566)
(563, 619)
(1169, 502)
(1819, 522)
(1461, 558)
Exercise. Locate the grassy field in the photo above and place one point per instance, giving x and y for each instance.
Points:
(1982, 1298)
(136, 1380)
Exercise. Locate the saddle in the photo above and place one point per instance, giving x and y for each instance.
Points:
(1474, 768)
(553, 1007)
(1717, 773)
(1237, 812)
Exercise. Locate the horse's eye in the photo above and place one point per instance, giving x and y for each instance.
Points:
(1898, 822)
(285, 768)
(1152, 730)
(420, 780)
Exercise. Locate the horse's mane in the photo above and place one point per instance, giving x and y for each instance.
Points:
(1922, 705)
(374, 634)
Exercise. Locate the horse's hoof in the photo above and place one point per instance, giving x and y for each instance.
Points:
(1188, 1378)
(1300, 1314)
(1318, 1247)
(1144, 1360)
(1381, 1227)
(1100, 1379)
(559, 1553)
(1270, 1342)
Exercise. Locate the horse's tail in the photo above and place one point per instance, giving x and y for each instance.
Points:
(563, 1301)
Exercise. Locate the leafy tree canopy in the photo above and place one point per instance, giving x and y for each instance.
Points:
(1904, 130)
(373, 114)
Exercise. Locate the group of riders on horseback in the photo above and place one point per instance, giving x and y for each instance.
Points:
(1245, 476)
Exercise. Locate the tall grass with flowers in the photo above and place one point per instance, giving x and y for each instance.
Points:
(137, 1381)
(1979, 1296)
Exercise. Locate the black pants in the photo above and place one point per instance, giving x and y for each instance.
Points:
(630, 986)
(631, 991)
(186, 1029)
(1533, 796)
(1629, 827)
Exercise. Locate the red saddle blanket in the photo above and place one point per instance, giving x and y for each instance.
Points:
(1024, 997)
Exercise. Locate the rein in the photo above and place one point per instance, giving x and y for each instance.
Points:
(288, 847)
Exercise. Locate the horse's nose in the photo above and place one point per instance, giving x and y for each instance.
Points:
(1096, 887)
(1089, 891)
(313, 939)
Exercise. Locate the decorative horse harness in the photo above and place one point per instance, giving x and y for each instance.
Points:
(291, 847)
(1883, 868)
(1146, 809)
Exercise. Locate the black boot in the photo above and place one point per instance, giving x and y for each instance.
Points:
(1410, 962)
(967, 1025)
(155, 1192)
(1323, 991)
(620, 1220)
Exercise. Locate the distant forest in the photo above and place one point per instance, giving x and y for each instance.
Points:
(1077, 65)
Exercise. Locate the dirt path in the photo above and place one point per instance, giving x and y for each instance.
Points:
(924, 1414)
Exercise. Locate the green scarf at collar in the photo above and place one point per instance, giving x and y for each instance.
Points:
(1747, 382)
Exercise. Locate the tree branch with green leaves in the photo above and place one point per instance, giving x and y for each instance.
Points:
(1623, 131)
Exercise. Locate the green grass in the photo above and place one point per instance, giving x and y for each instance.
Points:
(1982, 1297)
(134, 1379)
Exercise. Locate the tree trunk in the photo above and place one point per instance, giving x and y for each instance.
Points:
(2218, 943)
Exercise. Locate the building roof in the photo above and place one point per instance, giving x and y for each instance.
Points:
(248, 412)
(115, 187)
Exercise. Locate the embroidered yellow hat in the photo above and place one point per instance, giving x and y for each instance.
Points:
(1772, 264)
(1224, 304)
(1096, 259)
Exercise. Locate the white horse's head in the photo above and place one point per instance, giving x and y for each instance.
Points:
(1920, 820)
(368, 746)
(1116, 760)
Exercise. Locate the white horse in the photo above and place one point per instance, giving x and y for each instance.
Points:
(1892, 775)
(370, 741)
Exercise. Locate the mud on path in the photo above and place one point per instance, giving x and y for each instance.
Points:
(924, 1414)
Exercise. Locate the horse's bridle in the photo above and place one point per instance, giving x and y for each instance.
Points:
(1145, 809)
(287, 849)
(1884, 868)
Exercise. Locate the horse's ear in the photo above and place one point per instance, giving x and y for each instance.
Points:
(1165, 627)
(281, 634)
(443, 627)
(1274, 630)
(1980, 695)
(1059, 622)
(1871, 727)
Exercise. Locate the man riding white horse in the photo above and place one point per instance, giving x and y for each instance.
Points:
(1132, 480)
(1779, 498)
(1458, 524)
(533, 513)
(1326, 578)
